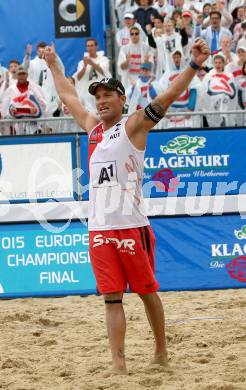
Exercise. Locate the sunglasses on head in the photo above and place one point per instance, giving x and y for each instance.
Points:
(136, 33)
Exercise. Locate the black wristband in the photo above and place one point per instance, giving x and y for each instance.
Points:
(194, 66)
(152, 114)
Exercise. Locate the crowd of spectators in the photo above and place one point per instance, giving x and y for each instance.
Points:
(154, 39)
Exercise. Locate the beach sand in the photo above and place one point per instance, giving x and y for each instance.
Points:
(61, 343)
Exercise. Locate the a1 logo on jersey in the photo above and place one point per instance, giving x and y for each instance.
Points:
(104, 174)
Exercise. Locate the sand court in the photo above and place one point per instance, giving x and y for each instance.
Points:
(61, 343)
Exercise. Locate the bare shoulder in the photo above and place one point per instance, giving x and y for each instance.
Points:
(91, 121)
(86, 120)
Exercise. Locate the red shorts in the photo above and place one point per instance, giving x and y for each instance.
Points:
(124, 258)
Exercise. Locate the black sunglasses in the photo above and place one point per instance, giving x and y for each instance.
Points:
(136, 33)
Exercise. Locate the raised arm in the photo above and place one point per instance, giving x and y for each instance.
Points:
(68, 94)
(141, 121)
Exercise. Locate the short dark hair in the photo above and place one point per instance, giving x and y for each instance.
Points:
(134, 28)
(14, 62)
(41, 44)
(91, 39)
(215, 13)
(159, 17)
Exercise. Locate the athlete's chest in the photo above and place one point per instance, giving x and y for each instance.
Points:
(109, 143)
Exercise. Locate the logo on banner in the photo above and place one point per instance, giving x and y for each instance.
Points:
(72, 18)
(166, 180)
(236, 267)
(185, 155)
(183, 145)
(240, 234)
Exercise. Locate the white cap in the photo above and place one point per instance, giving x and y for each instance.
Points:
(241, 47)
(129, 15)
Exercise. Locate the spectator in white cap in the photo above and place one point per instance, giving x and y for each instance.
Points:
(131, 57)
(219, 93)
(123, 35)
(122, 7)
(235, 67)
(25, 99)
(225, 49)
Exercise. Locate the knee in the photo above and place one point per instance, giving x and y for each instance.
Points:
(146, 298)
(113, 297)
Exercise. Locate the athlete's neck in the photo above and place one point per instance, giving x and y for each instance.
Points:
(107, 124)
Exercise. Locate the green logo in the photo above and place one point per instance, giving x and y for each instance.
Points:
(240, 234)
(183, 145)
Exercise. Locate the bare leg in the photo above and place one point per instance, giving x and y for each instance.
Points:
(116, 327)
(155, 314)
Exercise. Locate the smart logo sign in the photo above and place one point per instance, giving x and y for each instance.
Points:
(234, 252)
(72, 18)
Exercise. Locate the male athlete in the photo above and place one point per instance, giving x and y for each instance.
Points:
(121, 240)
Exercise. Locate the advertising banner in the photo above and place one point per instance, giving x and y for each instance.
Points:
(37, 169)
(192, 253)
(36, 261)
(66, 23)
(197, 253)
(193, 163)
(190, 163)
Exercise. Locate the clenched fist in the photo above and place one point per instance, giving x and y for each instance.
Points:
(200, 51)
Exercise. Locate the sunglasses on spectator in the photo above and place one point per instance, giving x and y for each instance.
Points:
(136, 33)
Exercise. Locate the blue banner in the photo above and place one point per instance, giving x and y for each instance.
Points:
(66, 23)
(199, 253)
(35, 261)
(190, 163)
(193, 163)
(191, 253)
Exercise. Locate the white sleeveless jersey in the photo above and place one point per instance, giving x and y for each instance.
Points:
(116, 173)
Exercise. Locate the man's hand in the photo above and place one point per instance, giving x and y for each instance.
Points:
(148, 28)
(50, 55)
(29, 49)
(200, 51)
(87, 61)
